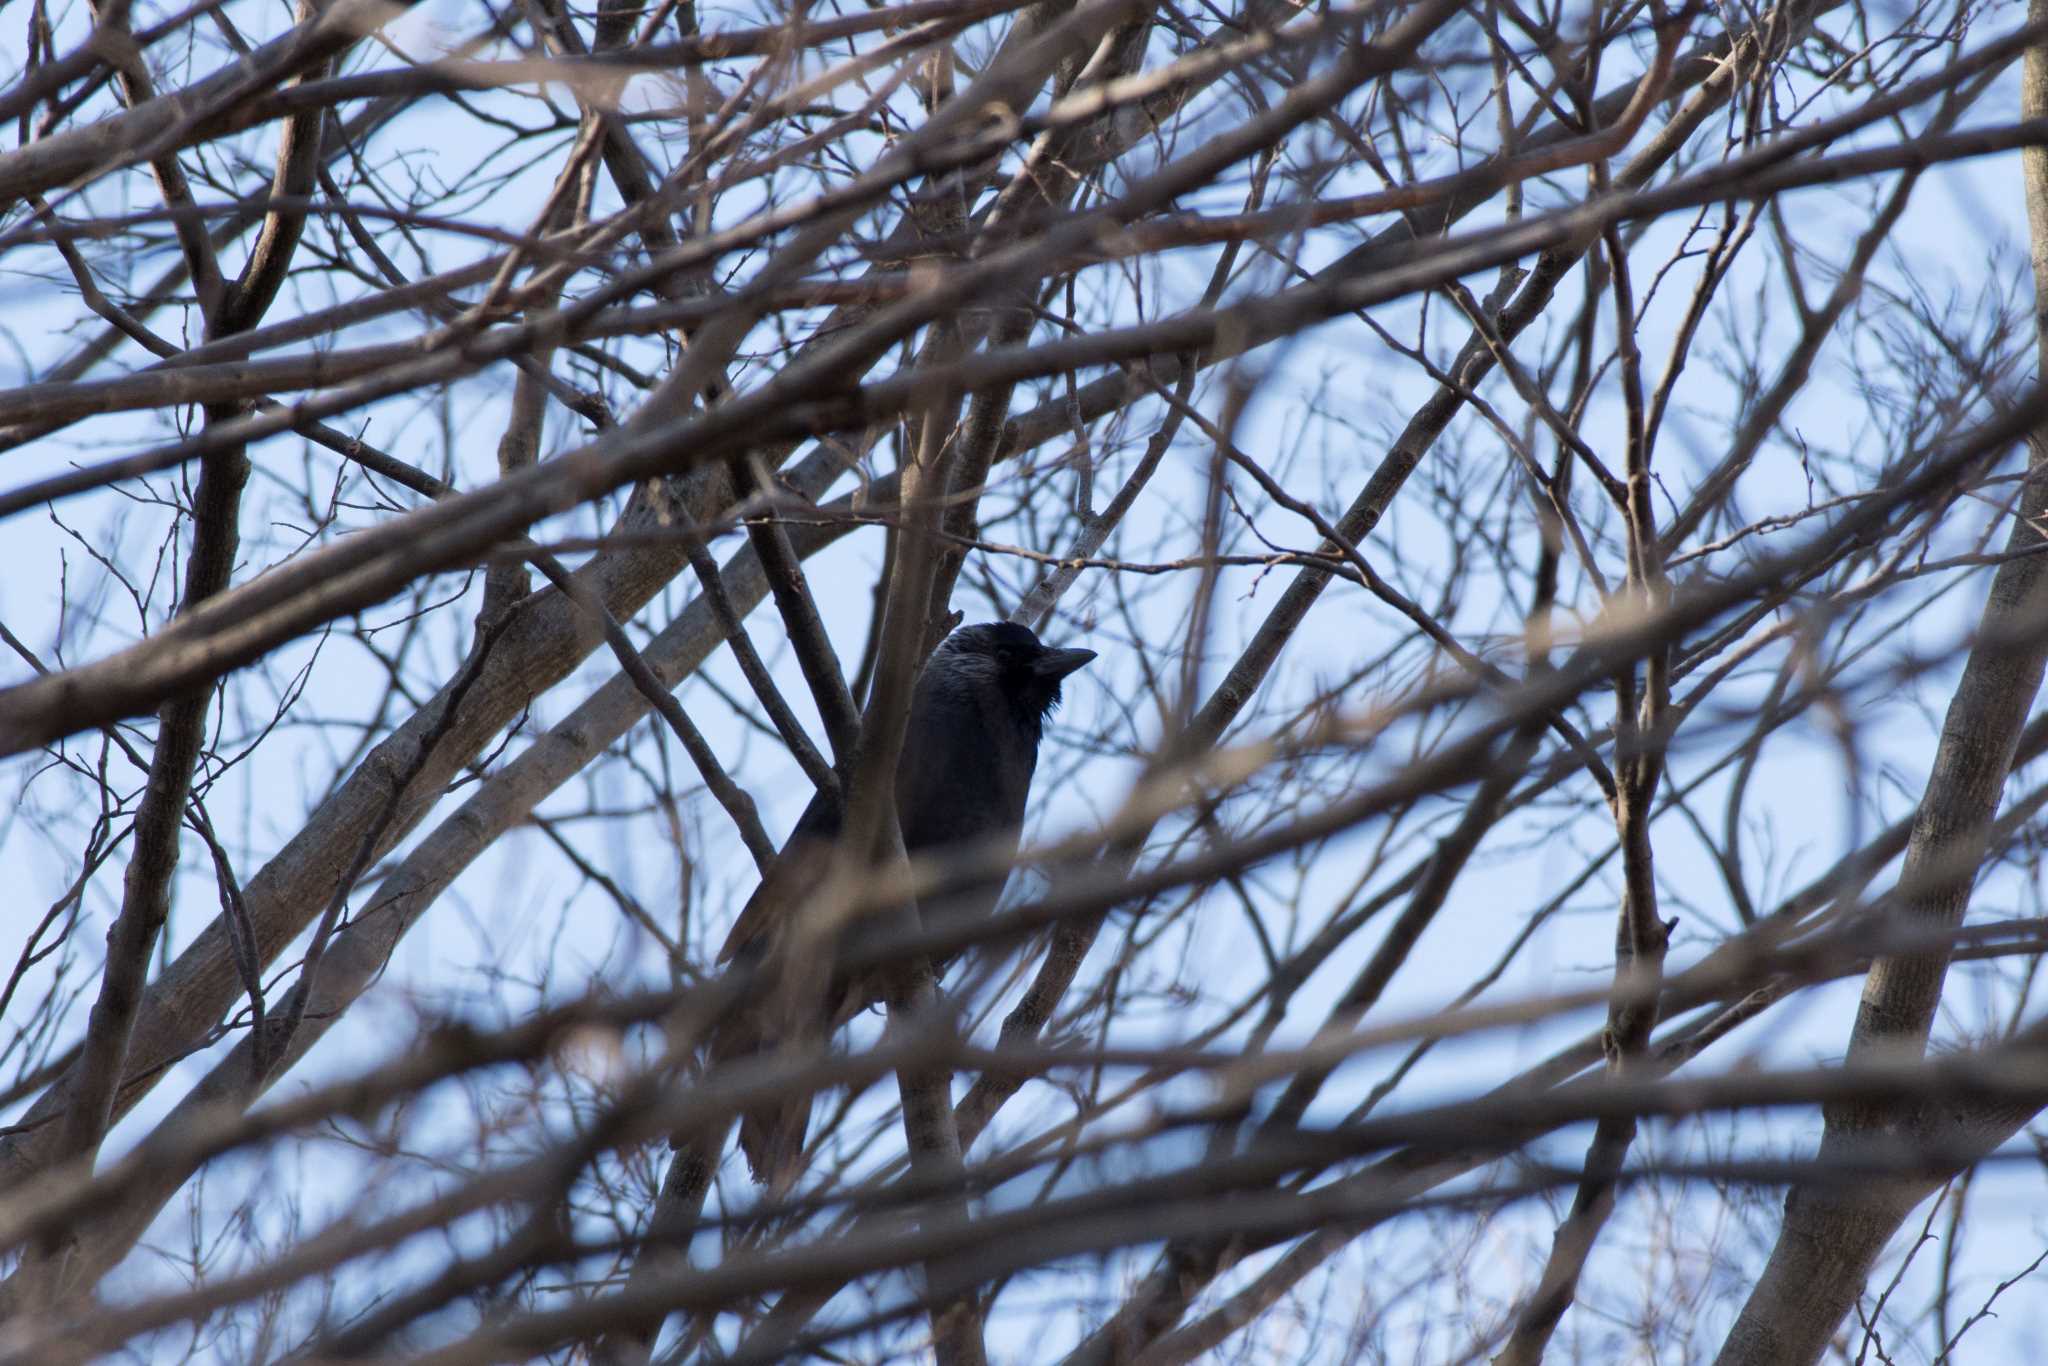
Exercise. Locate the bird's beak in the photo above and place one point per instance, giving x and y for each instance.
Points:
(1057, 664)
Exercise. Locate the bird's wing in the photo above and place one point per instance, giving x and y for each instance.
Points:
(797, 869)
(920, 771)
(801, 865)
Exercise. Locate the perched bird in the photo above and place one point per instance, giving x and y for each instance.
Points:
(977, 714)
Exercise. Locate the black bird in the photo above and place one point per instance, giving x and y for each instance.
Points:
(976, 716)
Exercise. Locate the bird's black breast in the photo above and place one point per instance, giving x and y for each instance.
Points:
(965, 773)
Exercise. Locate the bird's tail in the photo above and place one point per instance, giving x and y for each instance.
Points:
(772, 1137)
(771, 1133)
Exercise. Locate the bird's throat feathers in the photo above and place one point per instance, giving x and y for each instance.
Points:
(980, 681)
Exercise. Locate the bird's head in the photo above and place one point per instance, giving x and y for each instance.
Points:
(1028, 673)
